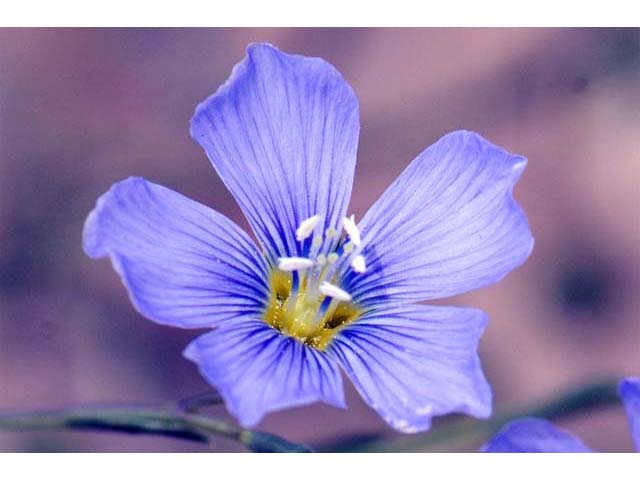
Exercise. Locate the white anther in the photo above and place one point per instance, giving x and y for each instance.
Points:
(332, 258)
(305, 229)
(349, 225)
(331, 232)
(317, 241)
(289, 264)
(348, 247)
(321, 260)
(332, 291)
(358, 264)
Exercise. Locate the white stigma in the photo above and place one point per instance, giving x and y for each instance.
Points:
(358, 264)
(321, 268)
(305, 229)
(289, 264)
(349, 225)
(332, 291)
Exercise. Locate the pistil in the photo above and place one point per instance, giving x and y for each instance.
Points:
(314, 295)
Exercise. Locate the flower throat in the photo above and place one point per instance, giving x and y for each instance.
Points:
(305, 301)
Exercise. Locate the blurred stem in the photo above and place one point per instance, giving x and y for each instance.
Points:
(184, 424)
(136, 420)
(580, 400)
(193, 404)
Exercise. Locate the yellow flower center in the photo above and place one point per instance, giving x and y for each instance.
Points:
(309, 317)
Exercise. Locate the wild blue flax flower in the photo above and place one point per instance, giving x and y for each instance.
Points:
(320, 291)
(535, 435)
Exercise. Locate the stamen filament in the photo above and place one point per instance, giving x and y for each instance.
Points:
(307, 298)
(326, 272)
(326, 310)
(292, 300)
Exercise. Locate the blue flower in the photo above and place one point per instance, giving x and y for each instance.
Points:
(535, 435)
(320, 291)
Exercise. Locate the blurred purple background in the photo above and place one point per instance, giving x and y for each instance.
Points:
(81, 109)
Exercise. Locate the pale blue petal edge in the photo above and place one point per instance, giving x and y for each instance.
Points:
(447, 225)
(413, 362)
(257, 370)
(282, 133)
(183, 264)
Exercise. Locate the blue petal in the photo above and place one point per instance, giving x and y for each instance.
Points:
(184, 264)
(534, 435)
(413, 362)
(448, 224)
(258, 370)
(282, 134)
(630, 393)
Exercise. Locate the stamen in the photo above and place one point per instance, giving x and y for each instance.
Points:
(289, 264)
(295, 285)
(307, 302)
(333, 291)
(324, 307)
(305, 229)
(349, 225)
(326, 310)
(358, 264)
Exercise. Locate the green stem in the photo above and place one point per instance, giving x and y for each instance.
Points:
(581, 400)
(199, 428)
(193, 404)
(136, 420)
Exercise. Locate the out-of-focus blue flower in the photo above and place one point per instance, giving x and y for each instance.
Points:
(535, 435)
(321, 291)
(630, 393)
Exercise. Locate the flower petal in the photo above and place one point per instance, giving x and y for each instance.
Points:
(448, 224)
(630, 393)
(258, 370)
(282, 134)
(184, 264)
(413, 362)
(534, 435)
